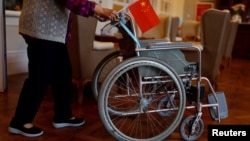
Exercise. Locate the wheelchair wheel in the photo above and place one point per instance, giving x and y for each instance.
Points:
(103, 68)
(186, 129)
(130, 95)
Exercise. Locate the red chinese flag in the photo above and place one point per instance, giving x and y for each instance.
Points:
(144, 14)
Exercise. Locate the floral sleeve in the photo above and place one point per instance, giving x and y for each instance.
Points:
(81, 7)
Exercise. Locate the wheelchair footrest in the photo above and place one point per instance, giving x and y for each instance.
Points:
(223, 110)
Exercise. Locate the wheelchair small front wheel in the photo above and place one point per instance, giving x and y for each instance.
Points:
(186, 131)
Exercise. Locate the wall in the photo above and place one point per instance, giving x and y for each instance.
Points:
(189, 9)
(178, 8)
(17, 61)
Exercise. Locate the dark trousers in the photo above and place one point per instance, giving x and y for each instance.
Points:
(49, 65)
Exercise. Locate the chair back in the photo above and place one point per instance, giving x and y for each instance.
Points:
(214, 25)
(89, 57)
(160, 31)
(190, 30)
(232, 30)
(174, 28)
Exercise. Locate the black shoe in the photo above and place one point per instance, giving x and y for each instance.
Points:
(27, 132)
(72, 122)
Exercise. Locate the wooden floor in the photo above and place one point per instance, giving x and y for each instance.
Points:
(235, 82)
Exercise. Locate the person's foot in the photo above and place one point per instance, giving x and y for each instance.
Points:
(27, 130)
(72, 122)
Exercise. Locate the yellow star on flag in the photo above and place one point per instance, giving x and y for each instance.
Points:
(144, 7)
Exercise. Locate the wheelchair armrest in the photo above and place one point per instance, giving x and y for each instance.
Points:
(170, 45)
(148, 42)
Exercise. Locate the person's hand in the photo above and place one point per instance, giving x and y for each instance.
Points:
(105, 13)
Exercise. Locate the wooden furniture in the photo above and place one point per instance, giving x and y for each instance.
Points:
(241, 48)
(227, 4)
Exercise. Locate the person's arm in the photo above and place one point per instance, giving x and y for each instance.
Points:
(105, 12)
(88, 8)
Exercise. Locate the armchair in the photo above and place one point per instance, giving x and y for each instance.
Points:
(214, 24)
(229, 44)
(161, 31)
(85, 52)
(190, 30)
(175, 21)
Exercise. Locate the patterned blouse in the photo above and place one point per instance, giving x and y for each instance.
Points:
(43, 19)
(80, 7)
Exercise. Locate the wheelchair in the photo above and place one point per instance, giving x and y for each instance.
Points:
(145, 96)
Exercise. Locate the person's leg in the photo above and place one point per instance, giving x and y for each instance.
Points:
(61, 84)
(41, 65)
(61, 89)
